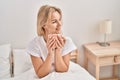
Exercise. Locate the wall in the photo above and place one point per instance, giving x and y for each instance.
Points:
(81, 20)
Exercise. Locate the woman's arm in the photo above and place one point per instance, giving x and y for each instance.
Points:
(42, 68)
(61, 62)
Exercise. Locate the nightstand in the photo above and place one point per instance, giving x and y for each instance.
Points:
(103, 56)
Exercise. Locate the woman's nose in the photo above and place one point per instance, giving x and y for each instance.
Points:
(59, 23)
(59, 26)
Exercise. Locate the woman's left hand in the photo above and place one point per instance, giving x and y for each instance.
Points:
(60, 42)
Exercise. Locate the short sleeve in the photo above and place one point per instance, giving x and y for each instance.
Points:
(69, 46)
(33, 48)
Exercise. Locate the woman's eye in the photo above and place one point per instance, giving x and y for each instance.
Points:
(54, 21)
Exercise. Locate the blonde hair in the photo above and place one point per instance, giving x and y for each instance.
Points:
(44, 16)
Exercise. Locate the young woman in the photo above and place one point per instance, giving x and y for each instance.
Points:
(50, 50)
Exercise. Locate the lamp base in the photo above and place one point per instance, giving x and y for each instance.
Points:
(104, 44)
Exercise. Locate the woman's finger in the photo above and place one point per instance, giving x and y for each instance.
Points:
(58, 43)
(51, 43)
(50, 40)
(61, 40)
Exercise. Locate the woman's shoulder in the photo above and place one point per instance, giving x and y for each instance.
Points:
(36, 40)
(33, 46)
(68, 38)
(69, 46)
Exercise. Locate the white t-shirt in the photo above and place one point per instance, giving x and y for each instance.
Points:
(37, 47)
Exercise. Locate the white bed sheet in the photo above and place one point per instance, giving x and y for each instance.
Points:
(75, 72)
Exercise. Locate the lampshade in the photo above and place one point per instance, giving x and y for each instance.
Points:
(106, 26)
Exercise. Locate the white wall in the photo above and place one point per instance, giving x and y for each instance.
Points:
(81, 20)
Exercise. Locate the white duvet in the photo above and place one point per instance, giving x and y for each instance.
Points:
(75, 72)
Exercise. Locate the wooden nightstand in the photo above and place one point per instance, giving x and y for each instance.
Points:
(103, 56)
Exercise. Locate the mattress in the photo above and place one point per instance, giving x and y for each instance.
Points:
(75, 72)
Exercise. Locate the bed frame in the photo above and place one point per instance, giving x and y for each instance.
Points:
(74, 56)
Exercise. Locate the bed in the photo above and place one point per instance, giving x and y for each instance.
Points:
(22, 69)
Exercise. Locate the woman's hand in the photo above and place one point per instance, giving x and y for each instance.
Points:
(60, 41)
(55, 42)
(51, 44)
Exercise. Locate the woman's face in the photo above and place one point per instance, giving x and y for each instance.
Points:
(54, 25)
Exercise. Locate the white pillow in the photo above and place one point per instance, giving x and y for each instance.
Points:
(22, 61)
(5, 51)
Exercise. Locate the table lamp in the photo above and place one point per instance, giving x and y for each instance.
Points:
(105, 28)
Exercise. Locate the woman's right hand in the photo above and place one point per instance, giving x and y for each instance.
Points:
(51, 45)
